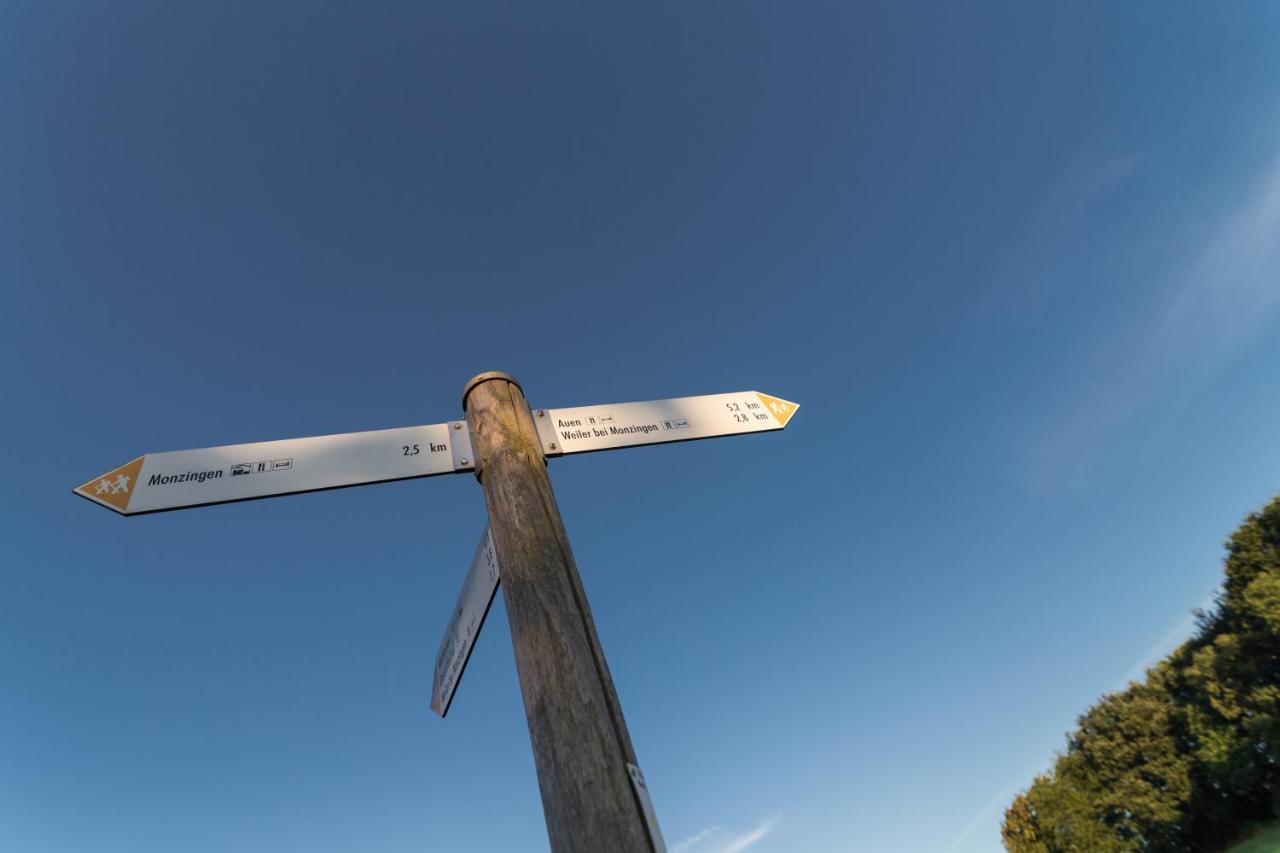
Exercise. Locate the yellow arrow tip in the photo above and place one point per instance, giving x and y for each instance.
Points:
(782, 410)
(114, 488)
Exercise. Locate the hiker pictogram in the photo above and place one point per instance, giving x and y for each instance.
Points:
(109, 487)
(115, 487)
(782, 410)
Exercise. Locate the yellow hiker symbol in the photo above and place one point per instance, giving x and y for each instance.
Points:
(115, 487)
(782, 410)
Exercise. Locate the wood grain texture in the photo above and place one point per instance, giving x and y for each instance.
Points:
(580, 742)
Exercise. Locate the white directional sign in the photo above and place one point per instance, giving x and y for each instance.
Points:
(465, 624)
(186, 478)
(605, 427)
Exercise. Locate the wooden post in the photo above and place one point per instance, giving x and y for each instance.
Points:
(580, 742)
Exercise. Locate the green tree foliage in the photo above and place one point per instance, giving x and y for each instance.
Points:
(1189, 757)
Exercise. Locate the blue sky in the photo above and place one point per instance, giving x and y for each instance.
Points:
(1018, 263)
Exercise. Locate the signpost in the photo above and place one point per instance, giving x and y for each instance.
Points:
(594, 795)
(469, 613)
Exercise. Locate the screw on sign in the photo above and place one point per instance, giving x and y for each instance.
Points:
(594, 796)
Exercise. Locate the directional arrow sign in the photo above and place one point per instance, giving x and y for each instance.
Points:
(236, 472)
(605, 427)
(465, 624)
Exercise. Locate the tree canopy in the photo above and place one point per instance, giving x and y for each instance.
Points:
(1186, 759)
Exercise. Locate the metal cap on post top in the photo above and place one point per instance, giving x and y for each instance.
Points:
(485, 377)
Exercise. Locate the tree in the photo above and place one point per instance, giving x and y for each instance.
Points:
(1185, 759)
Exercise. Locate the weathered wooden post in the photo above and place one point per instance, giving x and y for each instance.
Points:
(581, 747)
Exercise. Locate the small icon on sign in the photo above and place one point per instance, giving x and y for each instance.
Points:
(282, 465)
(259, 467)
(591, 420)
(113, 487)
(682, 423)
(242, 468)
(606, 419)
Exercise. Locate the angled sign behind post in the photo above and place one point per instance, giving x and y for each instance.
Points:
(236, 472)
(605, 427)
(468, 617)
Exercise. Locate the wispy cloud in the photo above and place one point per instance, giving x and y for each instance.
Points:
(715, 840)
(694, 840)
(1054, 229)
(981, 818)
(750, 839)
(1233, 289)
(1084, 183)
(1175, 637)
(1224, 293)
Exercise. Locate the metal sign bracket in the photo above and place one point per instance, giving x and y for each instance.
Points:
(546, 433)
(460, 443)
